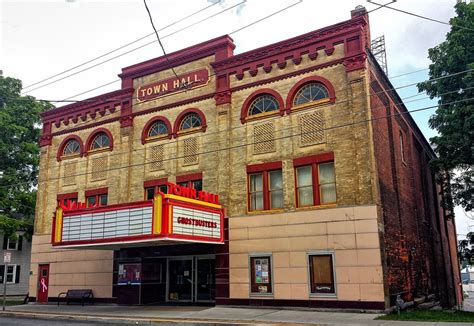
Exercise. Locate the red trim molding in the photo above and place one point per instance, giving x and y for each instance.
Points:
(93, 134)
(181, 116)
(98, 191)
(189, 177)
(264, 167)
(245, 107)
(155, 182)
(69, 195)
(65, 141)
(151, 122)
(319, 158)
(307, 80)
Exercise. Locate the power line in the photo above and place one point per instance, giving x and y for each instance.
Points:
(137, 48)
(252, 143)
(159, 41)
(420, 16)
(124, 46)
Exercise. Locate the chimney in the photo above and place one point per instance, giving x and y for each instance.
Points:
(358, 11)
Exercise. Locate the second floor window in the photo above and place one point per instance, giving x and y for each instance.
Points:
(100, 200)
(195, 184)
(265, 190)
(72, 147)
(151, 191)
(315, 180)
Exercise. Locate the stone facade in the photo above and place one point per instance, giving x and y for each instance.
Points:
(369, 230)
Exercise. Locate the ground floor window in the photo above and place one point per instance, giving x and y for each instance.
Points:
(11, 273)
(261, 274)
(321, 271)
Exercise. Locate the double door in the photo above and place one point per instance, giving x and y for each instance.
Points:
(191, 279)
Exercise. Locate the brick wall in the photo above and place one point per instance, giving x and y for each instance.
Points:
(415, 236)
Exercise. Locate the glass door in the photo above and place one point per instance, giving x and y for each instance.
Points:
(180, 280)
(205, 279)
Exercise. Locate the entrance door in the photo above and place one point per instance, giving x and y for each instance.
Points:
(205, 275)
(180, 280)
(43, 283)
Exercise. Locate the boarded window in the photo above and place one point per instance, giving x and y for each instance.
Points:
(322, 274)
(99, 168)
(70, 171)
(312, 128)
(156, 157)
(190, 151)
(264, 138)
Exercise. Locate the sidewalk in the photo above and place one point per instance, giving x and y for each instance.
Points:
(188, 314)
(197, 315)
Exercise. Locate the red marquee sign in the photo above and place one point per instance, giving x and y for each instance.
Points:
(171, 85)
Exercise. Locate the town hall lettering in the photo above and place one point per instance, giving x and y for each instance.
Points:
(183, 82)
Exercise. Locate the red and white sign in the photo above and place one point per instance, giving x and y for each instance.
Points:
(183, 215)
(172, 85)
(194, 222)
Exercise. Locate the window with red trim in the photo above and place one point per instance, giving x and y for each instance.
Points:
(151, 191)
(265, 187)
(71, 148)
(64, 198)
(191, 181)
(101, 140)
(315, 181)
(309, 93)
(97, 197)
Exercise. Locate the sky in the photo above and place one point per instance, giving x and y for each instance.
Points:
(40, 39)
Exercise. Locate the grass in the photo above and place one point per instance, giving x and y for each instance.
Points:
(432, 315)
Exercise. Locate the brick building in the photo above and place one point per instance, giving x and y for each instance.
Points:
(289, 175)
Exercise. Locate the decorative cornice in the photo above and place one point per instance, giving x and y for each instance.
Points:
(293, 48)
(91, 107)
(223, 44)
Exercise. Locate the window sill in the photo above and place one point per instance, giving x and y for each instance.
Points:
(305, 208)
(310, 105)
(99, 150)
(69, 157)
(261, 116)
(259, 295)
(190, 131)
(323, 296)
(268, 211)
(157, 138)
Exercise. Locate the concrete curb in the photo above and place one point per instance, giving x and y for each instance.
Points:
(107, 319)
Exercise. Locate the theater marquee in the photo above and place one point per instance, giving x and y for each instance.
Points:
(172, 85)
(188, 217)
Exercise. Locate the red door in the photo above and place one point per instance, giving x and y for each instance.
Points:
(43, 283)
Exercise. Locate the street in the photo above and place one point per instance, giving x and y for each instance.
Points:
(16, 321)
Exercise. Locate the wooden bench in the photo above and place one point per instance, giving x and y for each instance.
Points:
(76, 295)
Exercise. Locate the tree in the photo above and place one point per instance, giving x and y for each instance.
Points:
(454, 118)
(19, 156)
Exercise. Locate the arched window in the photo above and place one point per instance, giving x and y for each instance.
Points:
(158, 128)
(263, 104)
(101, 140)
(72, 147)
(190, 121)
(312, 92)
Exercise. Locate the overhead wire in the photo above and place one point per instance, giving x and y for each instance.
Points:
(158, 37)
(80, 124)
(253, 143)
(123, 46)
(137, 48)
(419, 16)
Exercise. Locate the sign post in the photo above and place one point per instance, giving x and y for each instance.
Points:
(6, 259)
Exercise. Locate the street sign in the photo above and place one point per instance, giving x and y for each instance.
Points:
(7, 257)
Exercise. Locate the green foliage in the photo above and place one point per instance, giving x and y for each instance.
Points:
(19, 156)
(454, 122)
